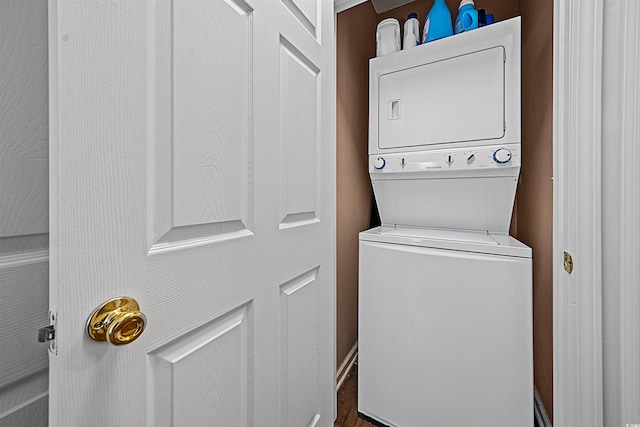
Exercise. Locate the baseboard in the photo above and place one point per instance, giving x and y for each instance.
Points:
(542, 419)
(346, 365)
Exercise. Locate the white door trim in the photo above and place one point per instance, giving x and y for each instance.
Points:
(629, 214)
(621, 212)
(577, 297)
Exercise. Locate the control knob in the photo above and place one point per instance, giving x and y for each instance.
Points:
(379, 163)
(502, 156)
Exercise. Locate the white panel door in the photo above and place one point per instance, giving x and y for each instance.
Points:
(192, 168)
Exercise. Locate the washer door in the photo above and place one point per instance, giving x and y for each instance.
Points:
(445, 337)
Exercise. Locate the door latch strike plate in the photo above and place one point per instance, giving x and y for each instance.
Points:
(568, 262)
(48, 333)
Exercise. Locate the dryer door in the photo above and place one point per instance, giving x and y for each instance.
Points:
(460, 91)
(458, 99)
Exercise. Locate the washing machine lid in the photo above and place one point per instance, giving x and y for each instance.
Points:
(469, 188)
(456, 240)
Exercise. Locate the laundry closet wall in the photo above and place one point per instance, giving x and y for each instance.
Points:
(532, 219)
(535, 191)
(355, 45)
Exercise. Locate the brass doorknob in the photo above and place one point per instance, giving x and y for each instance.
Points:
(118, 321)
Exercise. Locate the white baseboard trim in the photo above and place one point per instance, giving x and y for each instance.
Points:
(346, 365)
(541, 414)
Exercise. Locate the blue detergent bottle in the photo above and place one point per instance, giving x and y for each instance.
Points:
(467, 17)
(438, 23)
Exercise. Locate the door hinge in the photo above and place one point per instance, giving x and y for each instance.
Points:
(568, 262)
(48, 333)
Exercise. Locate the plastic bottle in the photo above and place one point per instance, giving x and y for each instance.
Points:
(411, 32)
(387, 37)
(467, 17)
(438, 23)
(482, 18)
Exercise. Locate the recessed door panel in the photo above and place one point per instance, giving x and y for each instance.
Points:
(299, 162)
(202, 135)
(299, 354)
(203, 377)
(306, 12)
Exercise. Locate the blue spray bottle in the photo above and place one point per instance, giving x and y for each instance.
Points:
(438, 24)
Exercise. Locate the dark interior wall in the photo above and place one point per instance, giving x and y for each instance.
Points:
(532, 221)
(535, 192)
(355, 45)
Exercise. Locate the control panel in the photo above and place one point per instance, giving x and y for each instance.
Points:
(460, 159)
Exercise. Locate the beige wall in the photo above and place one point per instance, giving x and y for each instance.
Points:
(535, 196)
(532, 219)
(355, 45)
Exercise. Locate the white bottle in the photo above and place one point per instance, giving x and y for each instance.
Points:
(388, 37)
(411, 32)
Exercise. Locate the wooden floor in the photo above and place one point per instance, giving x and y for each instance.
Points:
(348, 403)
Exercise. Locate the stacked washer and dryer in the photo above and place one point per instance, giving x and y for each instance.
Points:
(445, 305)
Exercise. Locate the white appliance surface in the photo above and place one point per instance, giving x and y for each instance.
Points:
(458, 240)
(445, 131)
(445, 329)
(460, 91)
(462, 188)
(445, 305)
(416, 111)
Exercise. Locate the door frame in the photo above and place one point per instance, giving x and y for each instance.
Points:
(621, 213)
(577, 212)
